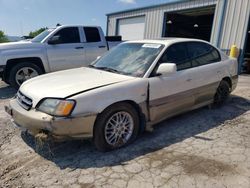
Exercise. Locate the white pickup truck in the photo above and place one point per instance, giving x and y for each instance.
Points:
(55, 49)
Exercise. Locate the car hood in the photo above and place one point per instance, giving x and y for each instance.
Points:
(18, 45)
(69, 82)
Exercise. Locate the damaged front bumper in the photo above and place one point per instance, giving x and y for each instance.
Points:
(60, 128)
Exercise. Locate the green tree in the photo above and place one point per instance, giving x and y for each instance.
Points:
(3, 37)
(37, 32)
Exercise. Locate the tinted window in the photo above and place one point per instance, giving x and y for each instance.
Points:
(68, 35)
(177, 54)
(202, 53)
(92, 34)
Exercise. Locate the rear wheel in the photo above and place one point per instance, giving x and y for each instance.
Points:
(22, 72)
(222, 93)
(116, 127)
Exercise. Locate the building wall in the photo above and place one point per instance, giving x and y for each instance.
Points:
(155, 16)
(229, 27)
(235, 23)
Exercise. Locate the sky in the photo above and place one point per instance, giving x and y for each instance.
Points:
(19, 17)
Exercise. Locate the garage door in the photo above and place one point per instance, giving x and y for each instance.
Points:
(132, 28)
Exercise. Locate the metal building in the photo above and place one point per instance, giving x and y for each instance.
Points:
(222, 22)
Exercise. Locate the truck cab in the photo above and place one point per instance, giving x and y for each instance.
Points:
(60, 48)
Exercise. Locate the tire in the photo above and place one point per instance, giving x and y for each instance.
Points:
(106, 125)
(20, 69)
(222, 94)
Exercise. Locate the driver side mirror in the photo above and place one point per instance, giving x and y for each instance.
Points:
(166, 69)
(54, 40)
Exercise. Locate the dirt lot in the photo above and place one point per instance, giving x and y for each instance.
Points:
(202, 148)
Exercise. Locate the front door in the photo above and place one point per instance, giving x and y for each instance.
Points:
(172, 94)
(69, 52)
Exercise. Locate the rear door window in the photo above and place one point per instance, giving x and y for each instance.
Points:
(202, 53)
(177, 53)
(92, 34)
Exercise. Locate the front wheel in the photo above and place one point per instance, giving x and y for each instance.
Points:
(22, 72)
(116, 127)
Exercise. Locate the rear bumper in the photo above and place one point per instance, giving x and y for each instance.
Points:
(60, 128)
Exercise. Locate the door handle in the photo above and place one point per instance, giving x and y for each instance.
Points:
(188, 80)
(79, 47)
(102, 46)
(218, 72)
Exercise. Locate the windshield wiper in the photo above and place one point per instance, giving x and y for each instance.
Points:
(107, 69)
(92, 66)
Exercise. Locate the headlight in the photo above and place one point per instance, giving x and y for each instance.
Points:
(56, 107)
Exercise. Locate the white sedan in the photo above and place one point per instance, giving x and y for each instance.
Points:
(131, 88)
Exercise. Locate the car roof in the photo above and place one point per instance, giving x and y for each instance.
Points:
(166, 41)
(77, 25)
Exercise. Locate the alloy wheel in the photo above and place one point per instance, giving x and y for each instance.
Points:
(119, 129)
(24, 74)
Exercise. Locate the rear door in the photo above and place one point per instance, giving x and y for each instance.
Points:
(209, 67)
(95, 44)
(172, 94)
(69, 52)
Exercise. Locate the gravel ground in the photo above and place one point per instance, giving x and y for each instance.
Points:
(202, 148)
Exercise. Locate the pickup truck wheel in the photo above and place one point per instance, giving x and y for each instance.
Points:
(22, 72)
(116, 127)
(222, 93)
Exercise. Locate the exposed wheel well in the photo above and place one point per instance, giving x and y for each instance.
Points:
(137, 108)
(228, 80)
(12, 62)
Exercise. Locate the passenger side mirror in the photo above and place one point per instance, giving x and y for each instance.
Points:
(166, 69)
(54, 40)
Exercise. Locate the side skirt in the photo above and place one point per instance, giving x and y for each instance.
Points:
(150, 124)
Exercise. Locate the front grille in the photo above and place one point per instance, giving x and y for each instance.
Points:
(24, 101)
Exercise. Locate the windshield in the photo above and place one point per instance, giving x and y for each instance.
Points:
(42, 35)
(129, 58)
